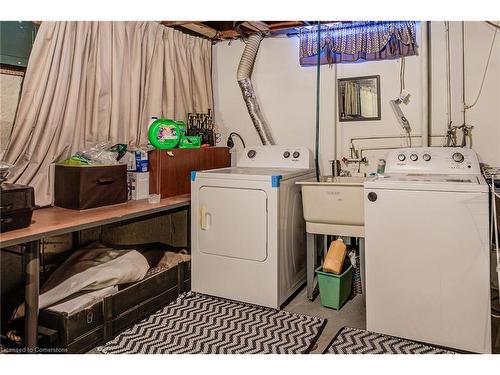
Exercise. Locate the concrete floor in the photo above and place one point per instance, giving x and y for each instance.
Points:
(352, 314)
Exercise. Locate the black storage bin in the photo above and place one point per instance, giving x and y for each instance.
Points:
(86, 329)
(81, 187)
(16, 206)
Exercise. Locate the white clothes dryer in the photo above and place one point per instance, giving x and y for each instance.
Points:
(247, 227)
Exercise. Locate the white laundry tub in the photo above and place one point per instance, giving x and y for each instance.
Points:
(332, 206)
(334, 200)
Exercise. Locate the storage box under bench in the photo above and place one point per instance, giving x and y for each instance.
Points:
(86, 329)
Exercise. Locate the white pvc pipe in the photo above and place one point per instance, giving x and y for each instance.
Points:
(425, 81)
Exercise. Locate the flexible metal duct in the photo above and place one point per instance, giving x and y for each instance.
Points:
(243, 76)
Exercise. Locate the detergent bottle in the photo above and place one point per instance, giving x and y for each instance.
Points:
(166, 133)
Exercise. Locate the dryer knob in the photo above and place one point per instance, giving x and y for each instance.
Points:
(458, 157)
(426, 157)
(401, 157)
(296, 154)
(286, 154)
(251, 154)
(372, 197)
(414, 157)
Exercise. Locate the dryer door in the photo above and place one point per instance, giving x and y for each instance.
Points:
(233, 222)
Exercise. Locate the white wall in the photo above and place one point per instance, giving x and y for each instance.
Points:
(287, 92)
(485, 116)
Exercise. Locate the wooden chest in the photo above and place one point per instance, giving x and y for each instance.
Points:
(170, 170)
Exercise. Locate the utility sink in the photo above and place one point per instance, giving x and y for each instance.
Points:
(332, 206)
(334, 200)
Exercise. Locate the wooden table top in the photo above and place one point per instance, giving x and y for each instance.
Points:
(53, 221)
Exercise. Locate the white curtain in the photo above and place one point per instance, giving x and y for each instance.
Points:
(88, 82)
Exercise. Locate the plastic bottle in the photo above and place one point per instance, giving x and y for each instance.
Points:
(151, 120)
(381, 166)
(335, 257)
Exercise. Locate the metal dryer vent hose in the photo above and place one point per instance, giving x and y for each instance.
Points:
(243, 76)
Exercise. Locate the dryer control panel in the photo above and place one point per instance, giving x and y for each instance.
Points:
(430, 160)
(275, 157)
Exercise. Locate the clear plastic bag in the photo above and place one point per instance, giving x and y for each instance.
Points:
(99, 154)
(102, 153)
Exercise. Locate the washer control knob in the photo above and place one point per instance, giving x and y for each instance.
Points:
(401, 157)
(426, 157)
(458, 157)
(372, 197)
(251, 154)
(286, 154)
(296, 154)
(414, 157)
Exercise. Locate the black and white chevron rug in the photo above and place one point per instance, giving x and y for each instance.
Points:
(358, 341)
(196, 323)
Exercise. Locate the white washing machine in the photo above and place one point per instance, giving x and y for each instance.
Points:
(248, 232)
(427, 256)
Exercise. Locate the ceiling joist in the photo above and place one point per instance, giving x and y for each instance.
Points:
(202, 29)
(222, 30)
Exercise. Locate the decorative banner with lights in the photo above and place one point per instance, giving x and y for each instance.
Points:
(358, 41)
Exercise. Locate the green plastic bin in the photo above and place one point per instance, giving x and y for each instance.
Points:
(334, 290)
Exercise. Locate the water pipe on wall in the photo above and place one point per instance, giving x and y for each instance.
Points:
(335, 172)
(386, 137)
(448, 75)
(451, 138)
(426, 81)
(356, 153)
(318, 90)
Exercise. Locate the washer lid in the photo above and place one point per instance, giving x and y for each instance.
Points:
(249, 173)
(435, 182)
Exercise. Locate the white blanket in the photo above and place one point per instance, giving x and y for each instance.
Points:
(82, 271)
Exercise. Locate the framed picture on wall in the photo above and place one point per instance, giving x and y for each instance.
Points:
(359, 98)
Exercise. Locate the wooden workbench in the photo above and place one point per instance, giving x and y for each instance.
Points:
(54, 221)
